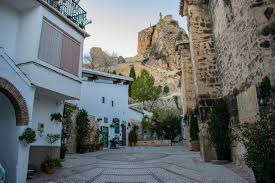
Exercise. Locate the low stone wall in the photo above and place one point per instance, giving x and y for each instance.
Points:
(154, 143)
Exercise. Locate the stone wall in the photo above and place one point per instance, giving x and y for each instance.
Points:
(187, 83)
(243, 33)
(232, 48)
(71, 142)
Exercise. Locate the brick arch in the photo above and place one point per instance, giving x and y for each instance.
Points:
(17, 100)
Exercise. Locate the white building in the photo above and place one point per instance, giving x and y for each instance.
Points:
(105, 96)
(41, 45)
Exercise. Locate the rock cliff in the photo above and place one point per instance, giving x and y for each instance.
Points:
(157, 53)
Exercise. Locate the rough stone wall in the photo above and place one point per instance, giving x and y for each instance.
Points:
(202, 50)
(187, 85)
(244, 41)
(241, 35)
(71, 141)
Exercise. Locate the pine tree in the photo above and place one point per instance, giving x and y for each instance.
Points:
(132, 75)
(144, 89)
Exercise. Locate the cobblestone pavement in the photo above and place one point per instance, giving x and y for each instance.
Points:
(139, 165)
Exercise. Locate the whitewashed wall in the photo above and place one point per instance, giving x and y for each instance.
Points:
(91, 100)
(44, 106)
(10, 72)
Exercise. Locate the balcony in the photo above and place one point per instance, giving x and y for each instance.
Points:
(71, 10)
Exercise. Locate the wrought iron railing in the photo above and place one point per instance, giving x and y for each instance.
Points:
(71, 10)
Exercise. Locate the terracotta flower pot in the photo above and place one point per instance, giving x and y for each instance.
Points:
(49, 169)
(195, 145)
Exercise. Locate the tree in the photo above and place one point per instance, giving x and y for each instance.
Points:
(114, 72)
(166, 89)
(132, 73)
(144, 89)
(83, 129)
(166, 124)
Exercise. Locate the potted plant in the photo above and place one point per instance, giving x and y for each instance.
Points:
(257, 139)
(83, 130)
(49, 166)
(28, 136)
(63, 150)
(101, 145)
(50, 163)
(219, 131)
(194, 133)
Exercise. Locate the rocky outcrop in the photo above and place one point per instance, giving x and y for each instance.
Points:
(157, 53)
(103, 60)
(157, 44)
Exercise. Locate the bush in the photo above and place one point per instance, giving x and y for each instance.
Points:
(55, 162)
(219, 130)
(257, 138)
(83, 129)
(194, 127)
(28, 136)
(132, 138)
(166, 89)
(56, 117)
(145, 124)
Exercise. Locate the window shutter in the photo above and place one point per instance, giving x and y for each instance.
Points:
(50, 45)
(70, 55)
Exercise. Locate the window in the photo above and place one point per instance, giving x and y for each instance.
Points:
(116, 122)
(112, 103)
(103, 100)
(59, 49)
(105, 120)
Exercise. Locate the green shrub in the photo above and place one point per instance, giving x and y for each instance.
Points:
(28, 136)
(145, 124)
(257, 139)
(265, 87)
(166, 89)
(194, 127)
(219, 130)
(53, 162)
(83, 130)
(132, 138)
(56, 117)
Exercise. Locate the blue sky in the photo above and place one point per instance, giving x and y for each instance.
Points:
(116, 23)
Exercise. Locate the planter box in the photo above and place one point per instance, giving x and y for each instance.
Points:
(154, 143)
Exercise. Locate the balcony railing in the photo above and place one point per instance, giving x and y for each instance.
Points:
(71, 10)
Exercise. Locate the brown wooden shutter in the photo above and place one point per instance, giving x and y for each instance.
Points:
(70, 55)
(50, 45)
(59, 49)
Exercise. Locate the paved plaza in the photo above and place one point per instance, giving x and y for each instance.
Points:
(139, 165)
